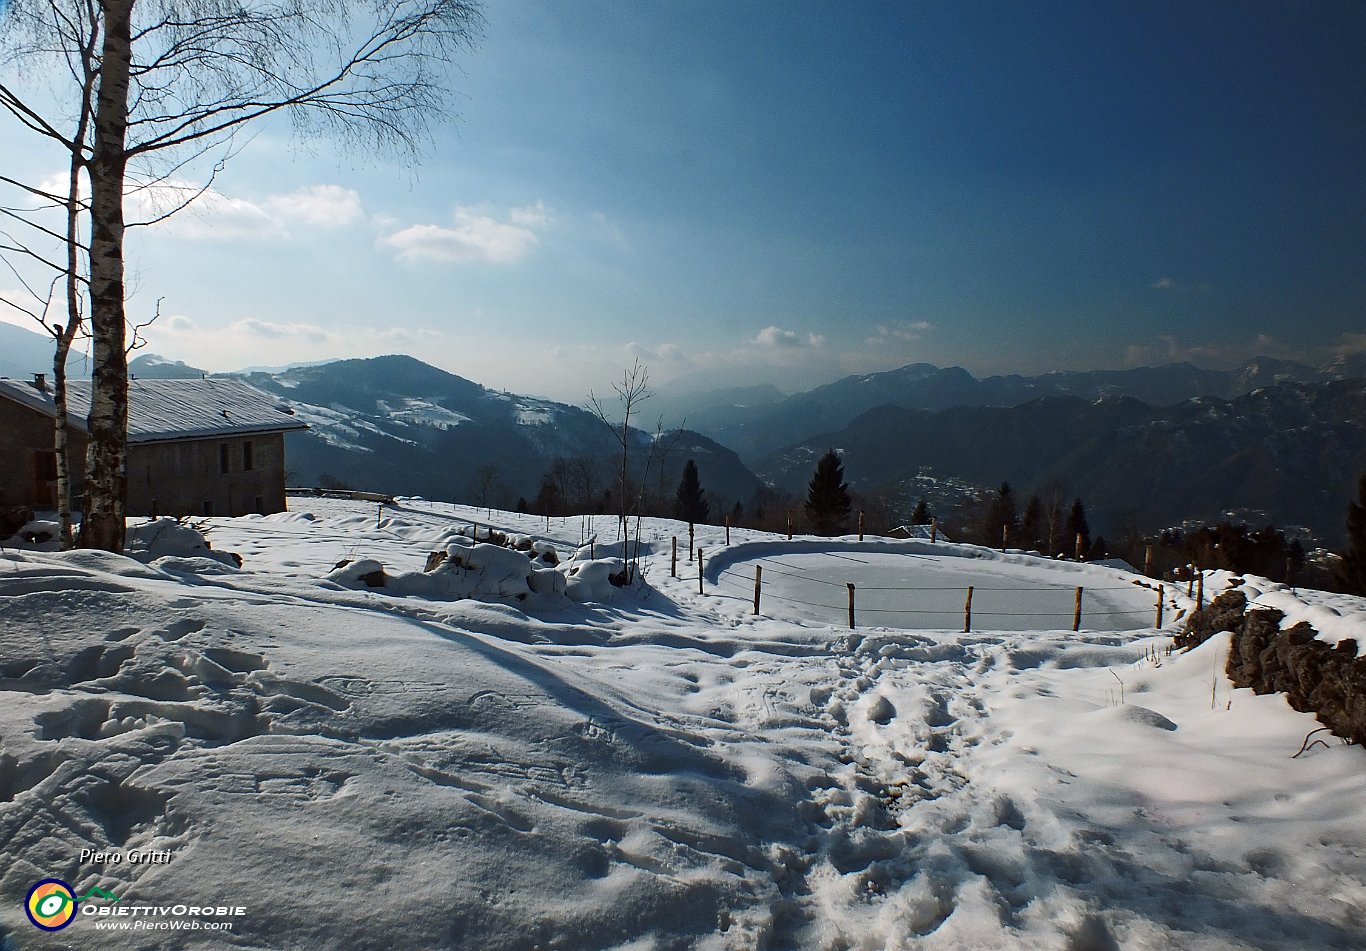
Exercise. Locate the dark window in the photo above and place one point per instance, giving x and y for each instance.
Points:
(223, 458)
(260, 505)
(248, 456)
(208, 507)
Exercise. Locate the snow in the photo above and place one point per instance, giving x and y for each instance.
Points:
(650, 767)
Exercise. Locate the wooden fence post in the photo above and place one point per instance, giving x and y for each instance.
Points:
(967, 612)
(850, 586)
(758, 585)
(1148, 561)
(1158, 624)
(1190, 581)
(673, 564)
(690, 542)
(1005, 538)
(934, 530)
(860, 524)
(1200, 590)
(789, 526)
(1076, 612)
(727, 529)
(1079, 551)
(699, 571)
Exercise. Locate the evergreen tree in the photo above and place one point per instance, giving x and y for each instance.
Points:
(1033, 525)
(690, 501)
(522, 507)
(921, 515)
(1000, 518)
(549, 500)
(827, 497)
(737, 513)
(1076, 525)
(1350, 574)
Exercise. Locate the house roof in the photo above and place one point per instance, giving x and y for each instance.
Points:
(167, 410)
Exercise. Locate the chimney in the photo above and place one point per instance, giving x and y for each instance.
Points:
(40, 382)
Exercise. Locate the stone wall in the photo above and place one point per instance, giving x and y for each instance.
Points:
(1327, 681)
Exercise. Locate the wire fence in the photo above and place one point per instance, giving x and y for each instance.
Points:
(814, 593)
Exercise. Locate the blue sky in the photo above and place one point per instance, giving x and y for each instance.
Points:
(787, 193)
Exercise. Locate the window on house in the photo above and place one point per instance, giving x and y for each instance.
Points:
(248, 456)
(223, 458)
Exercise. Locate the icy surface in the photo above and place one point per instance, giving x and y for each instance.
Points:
(369, 768)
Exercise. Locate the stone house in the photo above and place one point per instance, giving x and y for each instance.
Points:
(195, 447)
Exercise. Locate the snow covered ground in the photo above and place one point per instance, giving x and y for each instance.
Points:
(658, 769)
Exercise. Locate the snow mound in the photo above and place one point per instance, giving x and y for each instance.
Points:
(170, 537)
(592, 580)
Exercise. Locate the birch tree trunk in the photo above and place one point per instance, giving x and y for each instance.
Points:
(107, 464)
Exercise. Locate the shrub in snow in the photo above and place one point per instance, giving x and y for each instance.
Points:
(175, 538)
(594, 580)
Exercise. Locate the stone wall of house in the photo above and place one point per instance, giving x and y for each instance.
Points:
(237, 475)
(25, 434)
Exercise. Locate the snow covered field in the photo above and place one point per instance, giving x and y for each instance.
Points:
(657, 770)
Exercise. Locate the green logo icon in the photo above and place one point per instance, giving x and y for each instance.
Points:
(99, 893)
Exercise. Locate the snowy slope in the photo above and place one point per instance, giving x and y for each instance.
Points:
(661, 769)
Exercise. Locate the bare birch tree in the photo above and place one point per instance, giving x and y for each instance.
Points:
(149, 86)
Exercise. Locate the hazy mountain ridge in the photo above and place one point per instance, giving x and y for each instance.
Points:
(924, 386)
(1292, 450)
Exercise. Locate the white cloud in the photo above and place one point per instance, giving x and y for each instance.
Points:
(907, 332)
(200, 213)
(476, 237)
(197, 213)
(778, 337)
(664, 353)
(318, 206)
(1224, 353)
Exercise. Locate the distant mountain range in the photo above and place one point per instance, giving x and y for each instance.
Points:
(1270, 441)
(1288, 454)
(395, 424)
(756, 430)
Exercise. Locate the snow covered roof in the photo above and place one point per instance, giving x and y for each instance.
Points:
(922, 532)
(164, 410)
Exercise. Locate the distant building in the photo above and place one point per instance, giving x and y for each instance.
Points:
(195, 447)
(921, 532)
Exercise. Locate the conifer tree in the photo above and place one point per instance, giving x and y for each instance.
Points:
(1001, 517)
(549, 500)
(1076, 525)
(1032, 524)
(921, 515)
(1350, 574)
(827, 497)
(690, 501)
